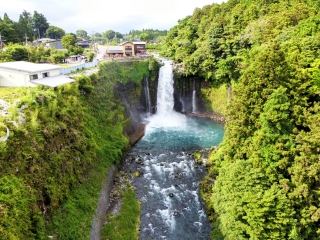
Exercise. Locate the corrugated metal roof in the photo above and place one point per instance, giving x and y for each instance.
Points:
(28, 66)
(54, 81)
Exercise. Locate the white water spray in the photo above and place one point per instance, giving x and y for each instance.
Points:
(147, 96)
(165, 115)
(165, 91)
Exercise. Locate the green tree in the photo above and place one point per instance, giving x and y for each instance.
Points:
(6, 19)
(17, 52)
(8, 33)
(82, 34)
(110, 34)
(144, 37)
(55, 32)
(39, 24)
(69, 42)
(24, 26)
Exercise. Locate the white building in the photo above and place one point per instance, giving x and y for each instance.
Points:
(26, 74)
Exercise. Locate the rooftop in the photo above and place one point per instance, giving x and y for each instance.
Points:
(139, 42)
(54, 81)
(28, 66)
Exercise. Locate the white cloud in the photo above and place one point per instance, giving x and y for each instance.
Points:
(99, 16)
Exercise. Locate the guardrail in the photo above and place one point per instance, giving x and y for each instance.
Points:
(80, 66)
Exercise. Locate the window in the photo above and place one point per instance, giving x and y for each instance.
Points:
(33, 77)
(128, 48)
(46, 74)
(140, 46)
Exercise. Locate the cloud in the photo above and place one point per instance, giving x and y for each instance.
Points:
(99, 16)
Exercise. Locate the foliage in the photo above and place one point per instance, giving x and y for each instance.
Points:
(16, 208)
(8, 33)
(216, 99)
(265, 170)
(154, 47)
(144, 37)
(29, 27)
(124, 225)
(90, 56)
(16, 52)
(55, 32)
(153, 34)
(69, 42)
(62, 142)
(39, 24)
(82, 33)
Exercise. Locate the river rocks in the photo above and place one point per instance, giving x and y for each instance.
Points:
(171, 194)
(139, 160)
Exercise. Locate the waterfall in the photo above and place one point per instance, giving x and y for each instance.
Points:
(194, 103)
(147, 96)
(168, 182)
(165, 115)
(165, 100)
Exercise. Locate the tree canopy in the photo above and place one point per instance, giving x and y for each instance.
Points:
(266, 170)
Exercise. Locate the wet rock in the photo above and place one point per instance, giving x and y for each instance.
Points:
(171, 194)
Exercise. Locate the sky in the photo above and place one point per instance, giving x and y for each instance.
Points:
(99, 16)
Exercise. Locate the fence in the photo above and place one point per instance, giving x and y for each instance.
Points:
(80, 66)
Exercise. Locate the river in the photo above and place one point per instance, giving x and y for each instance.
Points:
(168, 185)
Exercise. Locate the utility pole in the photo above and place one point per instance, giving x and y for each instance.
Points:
(94, 46)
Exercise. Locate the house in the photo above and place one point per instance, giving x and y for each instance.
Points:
(26, 74)
(127, 49)
(48, 43)
(84, 43)
(139, 48)
(114, 51)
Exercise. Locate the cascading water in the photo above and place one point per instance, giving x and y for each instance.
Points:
(194, 100)
(168, 186)
(165, 91)
(147, 96)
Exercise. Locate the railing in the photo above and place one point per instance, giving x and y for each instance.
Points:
(80, 66)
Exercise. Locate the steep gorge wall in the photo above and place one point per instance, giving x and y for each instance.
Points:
(53, 164)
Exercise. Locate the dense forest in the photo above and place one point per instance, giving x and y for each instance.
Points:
(263, 182)
(153, 35)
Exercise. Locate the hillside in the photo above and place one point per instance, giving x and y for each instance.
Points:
(264, 179)
(62, 142)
